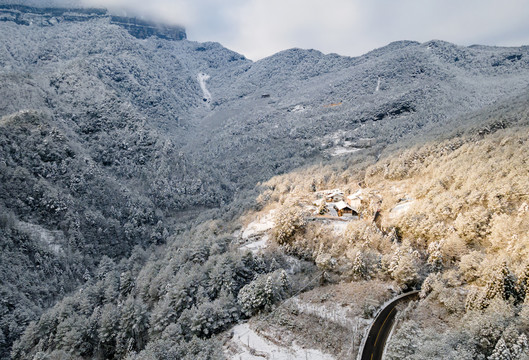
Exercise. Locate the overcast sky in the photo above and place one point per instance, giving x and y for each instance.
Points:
(260, 28)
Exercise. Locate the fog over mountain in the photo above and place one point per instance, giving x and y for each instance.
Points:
(118, 135)
(259, 28)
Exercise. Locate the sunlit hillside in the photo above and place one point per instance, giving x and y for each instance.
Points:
(450, 216)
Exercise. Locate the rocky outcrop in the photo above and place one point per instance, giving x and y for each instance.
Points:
(144, 29)
(26, 15)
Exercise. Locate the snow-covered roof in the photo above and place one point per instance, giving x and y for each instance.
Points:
(335, 193)
(356, 195)
(342, 205)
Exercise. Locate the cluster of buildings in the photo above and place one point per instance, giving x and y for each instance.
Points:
(341, 204)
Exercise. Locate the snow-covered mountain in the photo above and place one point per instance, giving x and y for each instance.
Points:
(112, 129)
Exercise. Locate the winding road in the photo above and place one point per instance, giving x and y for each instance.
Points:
(381, 328)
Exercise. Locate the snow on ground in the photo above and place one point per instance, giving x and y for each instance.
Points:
(256, 232)
(255, 246)
(357, 193)
(400, 209)
(259, 226)
(252, 346)
(329, 311)
(202, 78)
(338, 227)
(52, 239)
(299, 108)
(339, 151)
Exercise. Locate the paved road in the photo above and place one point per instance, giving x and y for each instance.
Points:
(381, 327)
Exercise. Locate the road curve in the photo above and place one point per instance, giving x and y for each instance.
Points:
(380, 329)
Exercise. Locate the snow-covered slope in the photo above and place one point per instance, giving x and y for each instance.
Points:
(106, 139)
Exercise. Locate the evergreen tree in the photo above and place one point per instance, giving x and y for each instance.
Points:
(269, 293)
(523, 284)
(501, 352)
(262, 293)
(108, 329)
(476, 300)
(106, 265)
(73, 335)
(126, 284)
(133, 326)
(359, 267)
(404, 342)
(288, 221)
(284, 281)
(509, 283)
(520, 347)
(435, 256)
(502, 283)
(403, 267)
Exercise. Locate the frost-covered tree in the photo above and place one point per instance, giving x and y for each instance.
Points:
(133, 326)
(403, 266)
(476, 299)
(262, 293)
(404, 342)
(520, 347)
(501, 352)
(284, 280)
(502, 283)
(108, 329)
(431, 284)
(523, 283)
(435, 256)
(359, 266)
(210, 318)
(512, 345)
(323, 208)
(73, 335)
(487, 326)
(126, 283)
(324, 259)
(288, 221)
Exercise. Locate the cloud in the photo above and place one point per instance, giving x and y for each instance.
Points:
(259, 28)
(172, 12)
(269, 26)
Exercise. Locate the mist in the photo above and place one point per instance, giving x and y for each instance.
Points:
(259, 28)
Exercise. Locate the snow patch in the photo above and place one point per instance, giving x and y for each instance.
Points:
(356, 194)
(256, 233)
(331, 312)
(400, 209)
(51, 238)
(202, 78)
(256, 246)
(299, 108)
(259, 226)
(339, 151)
(339, 227)
(252, 346)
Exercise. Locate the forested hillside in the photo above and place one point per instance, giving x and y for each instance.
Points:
(452, 218)
(127, 165)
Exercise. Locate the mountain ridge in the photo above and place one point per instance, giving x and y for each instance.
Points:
(50, 16)
(106, 139)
